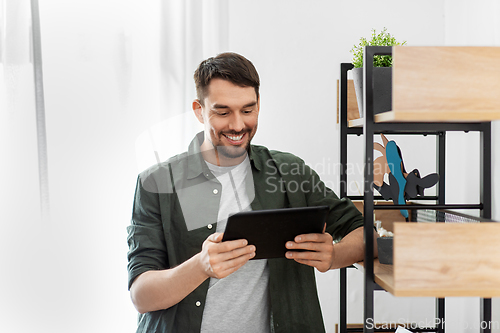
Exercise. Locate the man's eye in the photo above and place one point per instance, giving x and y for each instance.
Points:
(247, 111)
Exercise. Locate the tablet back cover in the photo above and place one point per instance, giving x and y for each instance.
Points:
(269, 230)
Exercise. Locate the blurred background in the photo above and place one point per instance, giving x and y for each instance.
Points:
(117, 86)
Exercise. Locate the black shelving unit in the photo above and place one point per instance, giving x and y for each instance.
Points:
(369, 129)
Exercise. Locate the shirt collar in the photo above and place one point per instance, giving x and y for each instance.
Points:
(195, 163)
(254, 158)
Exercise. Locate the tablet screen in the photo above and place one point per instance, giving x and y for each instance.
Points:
(269, 230)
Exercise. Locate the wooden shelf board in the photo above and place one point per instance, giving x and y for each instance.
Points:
(442, 260)
(439, 293)
(429, 116)
(384, 276)
(440, 84)
(447, 259)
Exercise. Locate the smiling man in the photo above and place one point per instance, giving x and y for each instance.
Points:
(182, 277)
(230, 114)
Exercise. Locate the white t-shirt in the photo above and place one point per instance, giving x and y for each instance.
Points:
(240, 301)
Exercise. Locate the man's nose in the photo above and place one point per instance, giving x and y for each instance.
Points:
(237, 124)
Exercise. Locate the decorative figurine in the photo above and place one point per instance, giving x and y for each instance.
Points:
(402, 185)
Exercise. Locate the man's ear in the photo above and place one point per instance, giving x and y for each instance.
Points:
(198, 110)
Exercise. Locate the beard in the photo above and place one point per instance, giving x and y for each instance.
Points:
(232, 151)
(235, 151)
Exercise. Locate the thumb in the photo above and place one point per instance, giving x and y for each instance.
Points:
(216, 237)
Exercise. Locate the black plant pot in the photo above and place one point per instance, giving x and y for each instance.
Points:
(385, 249)
(382, 89)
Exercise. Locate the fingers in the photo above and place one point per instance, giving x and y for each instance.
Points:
(216, 237)
(224, 268)
(320, 260)
(311, 242)
(219, 256)
(309, 254)
(214, 244)
(224, 258)
(317, 250)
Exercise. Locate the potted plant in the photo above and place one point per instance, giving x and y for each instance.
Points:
(382, 72)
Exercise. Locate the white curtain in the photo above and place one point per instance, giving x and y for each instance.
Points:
(190, 31)
(18, 144)
(115, 72)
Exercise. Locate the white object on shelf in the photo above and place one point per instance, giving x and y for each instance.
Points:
(402, 330)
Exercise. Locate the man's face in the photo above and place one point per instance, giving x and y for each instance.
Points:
(230, 116)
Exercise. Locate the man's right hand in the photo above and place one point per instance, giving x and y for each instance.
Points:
(219, 259)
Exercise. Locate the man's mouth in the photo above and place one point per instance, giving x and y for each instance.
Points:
(235, 139)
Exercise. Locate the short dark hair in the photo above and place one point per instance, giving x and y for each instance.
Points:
(228, 66)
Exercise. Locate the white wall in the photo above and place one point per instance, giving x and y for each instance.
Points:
(108, 81)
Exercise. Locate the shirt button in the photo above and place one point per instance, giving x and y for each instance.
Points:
(198, 303)
(210, 226)
(215, 191)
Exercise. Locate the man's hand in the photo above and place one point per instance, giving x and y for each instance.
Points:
(219, 259)
(319, 250)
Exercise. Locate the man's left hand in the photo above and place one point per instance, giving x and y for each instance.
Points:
(318, 250)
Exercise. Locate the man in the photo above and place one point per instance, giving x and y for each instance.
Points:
(182, 277)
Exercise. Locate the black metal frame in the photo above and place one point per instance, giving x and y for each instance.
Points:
(369, 129)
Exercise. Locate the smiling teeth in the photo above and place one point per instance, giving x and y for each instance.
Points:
(235, 138)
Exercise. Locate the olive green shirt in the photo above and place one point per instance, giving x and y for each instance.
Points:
(163, 234)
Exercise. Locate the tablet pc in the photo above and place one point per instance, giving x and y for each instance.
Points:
(269, 230)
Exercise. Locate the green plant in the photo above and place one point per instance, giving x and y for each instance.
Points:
(381, 39)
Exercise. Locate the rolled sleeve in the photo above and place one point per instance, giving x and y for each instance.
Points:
(146, 241)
